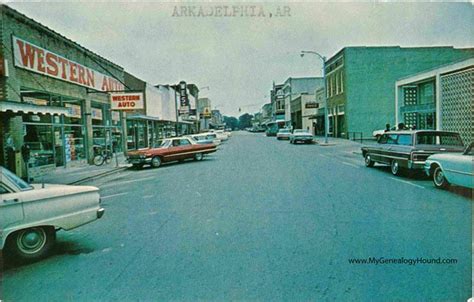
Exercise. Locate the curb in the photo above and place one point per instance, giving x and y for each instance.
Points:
(106, 173)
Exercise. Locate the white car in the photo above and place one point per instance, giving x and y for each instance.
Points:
(452, 168)
(300, 135)
(220, 134)
(283, 133)
(206, 137)
(30, 215)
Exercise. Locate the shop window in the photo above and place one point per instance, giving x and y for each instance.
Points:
(97, 116)
(115, 117)
(39, 138)
(74, 143)
(75, 114)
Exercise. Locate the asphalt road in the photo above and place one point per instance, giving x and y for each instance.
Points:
(260, 220)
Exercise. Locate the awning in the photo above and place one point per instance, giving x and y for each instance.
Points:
(142, 117)
(17, 107)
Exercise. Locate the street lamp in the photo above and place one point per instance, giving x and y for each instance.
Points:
(326, 119)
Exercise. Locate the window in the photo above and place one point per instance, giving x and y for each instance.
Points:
(20, 183)
(427, 93)
(184, 142)
(446, 139)
(3, 190)
(342, 82)
(328, 87)
(383, 139)
(392, 139)
(404, 139)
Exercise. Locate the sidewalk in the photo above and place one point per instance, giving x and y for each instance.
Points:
(76, 175)
(343, 144)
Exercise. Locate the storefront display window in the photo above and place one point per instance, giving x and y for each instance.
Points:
(75, 114)
(39, 138)
(74, 143)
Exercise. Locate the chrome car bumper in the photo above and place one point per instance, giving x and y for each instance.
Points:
(416, 165)
(137, 161)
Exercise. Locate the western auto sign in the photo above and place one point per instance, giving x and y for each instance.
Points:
(126, 101)
(36, 59)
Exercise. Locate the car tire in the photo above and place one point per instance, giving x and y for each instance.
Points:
(395, 167)
(198, 156)
(32, 243)
(439, 180)
(156, 162)
(368, 161)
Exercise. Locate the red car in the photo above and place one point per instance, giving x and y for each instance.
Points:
(170, 149)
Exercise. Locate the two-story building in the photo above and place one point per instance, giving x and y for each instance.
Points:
(361, 83)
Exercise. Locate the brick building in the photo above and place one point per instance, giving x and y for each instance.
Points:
(52, 98)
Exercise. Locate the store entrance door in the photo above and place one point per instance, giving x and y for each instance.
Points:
(59, 146)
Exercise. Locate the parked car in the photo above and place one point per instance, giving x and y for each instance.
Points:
(30, 215)
(452, 168)
(200, 139)
(283, 134)
(300, 135)
(168, 150)
(410, 149)
(205, 138)
(220, 134)
(214, 138)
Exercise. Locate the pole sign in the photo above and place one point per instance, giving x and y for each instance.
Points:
(183, 97)
(126, 101)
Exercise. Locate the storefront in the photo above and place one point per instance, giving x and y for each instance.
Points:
(54, 99)
(438, 99)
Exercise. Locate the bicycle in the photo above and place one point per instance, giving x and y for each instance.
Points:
(103, 156)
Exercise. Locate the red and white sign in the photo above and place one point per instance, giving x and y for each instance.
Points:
(34, 58)
(126, 101)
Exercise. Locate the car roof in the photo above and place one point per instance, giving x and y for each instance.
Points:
(418, 131)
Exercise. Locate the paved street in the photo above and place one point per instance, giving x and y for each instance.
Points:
(260, 220)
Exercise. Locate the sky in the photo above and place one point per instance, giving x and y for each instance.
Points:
(238, 53)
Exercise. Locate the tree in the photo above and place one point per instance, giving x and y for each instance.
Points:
(245, 121)
(231, 122)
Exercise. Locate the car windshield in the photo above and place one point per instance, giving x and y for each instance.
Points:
(298, 131)
(20, 183)
(284, 131)
(211, 136)
(442, 139)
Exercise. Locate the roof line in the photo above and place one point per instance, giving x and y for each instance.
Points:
(17, 14)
